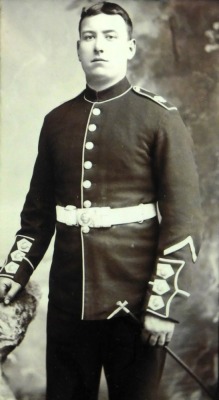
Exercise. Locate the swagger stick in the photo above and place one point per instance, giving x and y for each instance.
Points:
(122, 306)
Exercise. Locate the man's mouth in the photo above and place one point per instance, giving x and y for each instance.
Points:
(99, 60)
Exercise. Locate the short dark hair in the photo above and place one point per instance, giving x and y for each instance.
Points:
(105, 7)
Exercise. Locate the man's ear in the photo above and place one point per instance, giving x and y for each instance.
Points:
(78, 49)
(131, 48)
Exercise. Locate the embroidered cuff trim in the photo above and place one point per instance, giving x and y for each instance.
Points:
(165, 269)
(180, 245)
(25, 258)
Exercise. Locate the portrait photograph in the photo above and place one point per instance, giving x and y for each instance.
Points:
(109, 199)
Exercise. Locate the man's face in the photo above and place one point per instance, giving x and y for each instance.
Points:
(104, 48)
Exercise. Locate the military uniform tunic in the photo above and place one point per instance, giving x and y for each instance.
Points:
(120, 147)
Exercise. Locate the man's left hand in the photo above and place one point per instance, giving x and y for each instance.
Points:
(157, 331)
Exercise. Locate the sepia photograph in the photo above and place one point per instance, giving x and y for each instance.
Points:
(109, 199)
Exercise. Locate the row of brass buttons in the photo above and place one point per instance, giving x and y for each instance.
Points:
(88, 164)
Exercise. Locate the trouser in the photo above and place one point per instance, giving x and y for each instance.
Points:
(77, 351)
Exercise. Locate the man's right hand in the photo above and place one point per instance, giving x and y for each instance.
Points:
(8, 289)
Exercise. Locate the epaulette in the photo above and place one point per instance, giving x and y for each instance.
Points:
(155, 97)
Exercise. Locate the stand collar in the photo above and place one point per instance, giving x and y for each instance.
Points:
(107, 94)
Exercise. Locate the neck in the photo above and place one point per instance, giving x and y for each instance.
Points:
(98, 85)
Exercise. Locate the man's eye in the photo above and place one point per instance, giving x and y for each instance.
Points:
(111, 36)
(88, 37)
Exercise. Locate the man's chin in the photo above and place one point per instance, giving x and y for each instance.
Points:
(99, 75)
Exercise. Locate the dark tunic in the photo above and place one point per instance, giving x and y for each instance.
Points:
(139, 151)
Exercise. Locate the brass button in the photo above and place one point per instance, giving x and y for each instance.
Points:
(17, 255)
(88, 165)
(164, 270)
(92, 127)
(89, 145)
(160, 286)
(11, 268)
(87, 184)
(85, 229)
(87, 203)
(24, 245)
(96, 111)
(155, 302)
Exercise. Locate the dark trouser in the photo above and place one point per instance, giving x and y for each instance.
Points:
(77, 350)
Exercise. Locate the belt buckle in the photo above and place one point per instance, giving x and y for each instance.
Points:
(96, 217)
(85, 217)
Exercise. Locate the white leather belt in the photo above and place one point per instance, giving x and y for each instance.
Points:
(104, 217)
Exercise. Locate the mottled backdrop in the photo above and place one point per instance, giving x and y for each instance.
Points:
(178, 54)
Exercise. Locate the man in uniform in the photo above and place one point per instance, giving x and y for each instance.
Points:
(108, 160)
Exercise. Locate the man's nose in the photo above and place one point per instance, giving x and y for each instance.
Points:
(99, 45)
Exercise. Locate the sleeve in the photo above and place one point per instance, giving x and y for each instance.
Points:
(37, 219)
(179, 207)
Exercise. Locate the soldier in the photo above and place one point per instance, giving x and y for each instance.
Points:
(115, 176)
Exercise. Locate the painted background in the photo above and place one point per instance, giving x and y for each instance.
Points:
(177, 57)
